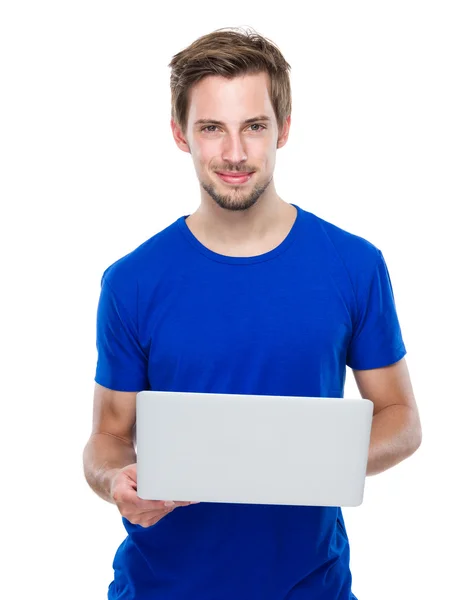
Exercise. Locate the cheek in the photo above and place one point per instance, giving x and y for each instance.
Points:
(201, 160)
(206, 154)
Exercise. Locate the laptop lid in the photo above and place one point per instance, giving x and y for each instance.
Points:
(254, 449)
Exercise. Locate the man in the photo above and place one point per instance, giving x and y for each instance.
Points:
(247, 295)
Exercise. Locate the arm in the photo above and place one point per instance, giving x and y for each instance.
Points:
(109, 456)
(110, 459)
(396, 428)
(111, 444)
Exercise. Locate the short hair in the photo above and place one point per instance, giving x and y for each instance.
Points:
(229, 52)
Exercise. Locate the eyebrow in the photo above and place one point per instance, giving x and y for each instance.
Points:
(214, 122)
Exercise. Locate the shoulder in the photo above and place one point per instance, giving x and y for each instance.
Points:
(145, 261)
(354, 251)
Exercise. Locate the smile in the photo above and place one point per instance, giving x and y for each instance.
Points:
(236, 179)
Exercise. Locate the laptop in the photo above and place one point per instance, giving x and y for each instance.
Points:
(253, 449)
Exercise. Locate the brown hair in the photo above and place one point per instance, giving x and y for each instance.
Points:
(229, 52)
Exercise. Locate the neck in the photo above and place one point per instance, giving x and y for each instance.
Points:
(263, 221)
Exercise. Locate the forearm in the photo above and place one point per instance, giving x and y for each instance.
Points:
(395, 435)
(103, 456)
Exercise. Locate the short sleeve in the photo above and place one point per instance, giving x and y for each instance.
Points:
(121, 362)
(377, 339)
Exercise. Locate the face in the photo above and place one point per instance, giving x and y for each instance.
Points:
(231, 128)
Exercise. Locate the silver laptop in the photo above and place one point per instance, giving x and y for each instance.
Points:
(252, 449)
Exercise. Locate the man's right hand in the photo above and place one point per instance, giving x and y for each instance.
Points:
(139, 512)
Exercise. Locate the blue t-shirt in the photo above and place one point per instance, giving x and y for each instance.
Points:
(174, 315)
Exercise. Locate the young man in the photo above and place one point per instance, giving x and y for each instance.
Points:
(248, 295)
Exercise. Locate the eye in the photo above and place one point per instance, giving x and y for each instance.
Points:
(253, 125)
(208, 126)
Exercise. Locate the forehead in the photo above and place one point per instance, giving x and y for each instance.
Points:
(230, 100)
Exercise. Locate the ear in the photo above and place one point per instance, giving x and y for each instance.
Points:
(283, 135)
(179, 138)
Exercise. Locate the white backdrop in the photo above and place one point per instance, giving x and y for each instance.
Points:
(89, 170)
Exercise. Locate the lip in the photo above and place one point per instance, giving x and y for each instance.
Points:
(235, 178)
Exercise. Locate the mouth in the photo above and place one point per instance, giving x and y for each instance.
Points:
(235, 178)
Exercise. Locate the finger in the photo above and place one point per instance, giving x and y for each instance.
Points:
(160, 504)
(152, 521)
(130, 472)
(146, 520)
(151, 516)
(129, 496)
(148, 511)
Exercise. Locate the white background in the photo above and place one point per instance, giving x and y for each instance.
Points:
(89, 170)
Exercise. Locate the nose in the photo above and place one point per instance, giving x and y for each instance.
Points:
(234, 150)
